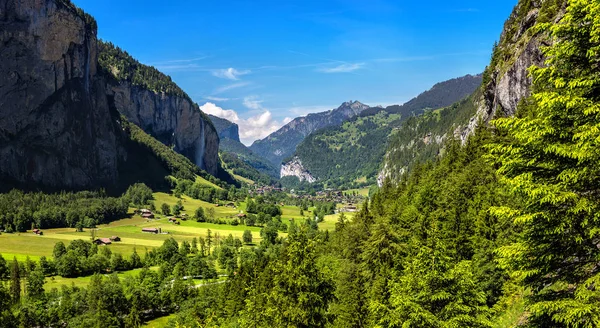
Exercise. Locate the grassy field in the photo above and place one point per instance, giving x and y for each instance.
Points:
(159, 322)
(363, 191)
(329, 222)
(129, 230)
(205, 182)
(57, 281)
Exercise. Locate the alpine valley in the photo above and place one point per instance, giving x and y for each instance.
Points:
(124, 204)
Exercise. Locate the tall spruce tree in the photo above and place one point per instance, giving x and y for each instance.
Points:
(15, 281)
(550, 158)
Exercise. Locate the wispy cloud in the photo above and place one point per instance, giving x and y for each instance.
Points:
(215, 98)
(253, 102)
(230, 87)
(342, 68)
(229, 73)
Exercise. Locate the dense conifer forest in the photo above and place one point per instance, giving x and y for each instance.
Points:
(502, 230)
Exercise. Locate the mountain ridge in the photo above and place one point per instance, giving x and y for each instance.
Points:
(282, 143)
(350, 155)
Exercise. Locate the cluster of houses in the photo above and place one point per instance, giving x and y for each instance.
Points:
(107, 241)
(329, 195)
(265, 190)
(348, 208)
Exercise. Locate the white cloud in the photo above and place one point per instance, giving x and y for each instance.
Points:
(287, 120)
(216, 98)
(229, 73)
(231, 87)
(252, 128)
(342, 68)
(252, 102)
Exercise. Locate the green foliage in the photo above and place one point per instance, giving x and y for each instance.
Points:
(20, 211)
(422, 138)
(236, 164)
(550, 157)
(350, 155)
(120, 65)
(138, 194)
(247, 236)
(249, 157)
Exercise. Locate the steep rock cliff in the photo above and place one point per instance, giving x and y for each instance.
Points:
(152, 101)
(59, 124)
(225, 128)
(294, 168)
(55, 126)
(506, 82)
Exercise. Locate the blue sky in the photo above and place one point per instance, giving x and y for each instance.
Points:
(261, 63)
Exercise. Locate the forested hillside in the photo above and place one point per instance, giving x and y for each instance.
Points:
(282, 143)
(492, 223)
(350, 155)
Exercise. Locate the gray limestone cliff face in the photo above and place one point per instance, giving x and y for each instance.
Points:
(296, 169)
(173, 120)
(55, 127)
(510, 81)
(225, 128)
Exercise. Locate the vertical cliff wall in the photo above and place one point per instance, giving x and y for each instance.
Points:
(174, 120)
(55, 126)
(60, 126)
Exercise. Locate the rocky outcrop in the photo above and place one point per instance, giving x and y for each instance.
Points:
(173, 120)
(295, 168)
(283, 142)
(55, 127)
(58, 125)
(225, 128)
(510, 82)
(505, 83)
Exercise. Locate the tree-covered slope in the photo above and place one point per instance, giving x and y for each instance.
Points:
(282, 143)
(351, 154)
(506, 82)
(238, 158)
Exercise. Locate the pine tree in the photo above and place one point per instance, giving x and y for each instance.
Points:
(15, 281)
(550, 159)
(35, 282)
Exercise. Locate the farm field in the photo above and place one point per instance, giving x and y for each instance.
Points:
(23, 245)
(329, 222)
(362, 191)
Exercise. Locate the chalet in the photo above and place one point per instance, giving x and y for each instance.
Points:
(37, 232)
(115, 238)
(147, 215)
(231, 205)
(144, 210)
(241, 215)
(150, 230)
(102, 241)
(177, 223)
(172, 220)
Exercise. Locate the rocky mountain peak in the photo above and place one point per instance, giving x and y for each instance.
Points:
(355, 105)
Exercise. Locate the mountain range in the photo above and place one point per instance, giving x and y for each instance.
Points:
(282, 143)
(350, 154)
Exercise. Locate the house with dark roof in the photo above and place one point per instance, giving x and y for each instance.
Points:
(102, 241)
